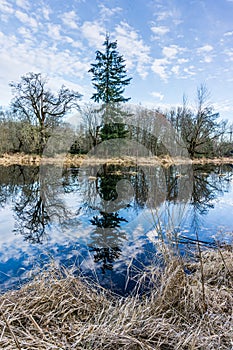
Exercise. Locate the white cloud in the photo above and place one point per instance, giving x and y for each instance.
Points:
(159, 67)
(160, 30)
(94, 33)
(24, 18)
(6, 10)
(229, 53)
(204, 49)
(182, 60)
(106, 12)
(223, 106)
(175, 69)
(135, 51)
(73, 43)
(6, 7)
(162, 66)
(158, 95)
(24, 4)
(55, 83)
(46, 12)
(208, 59)
(189, 71)
(26, 33)
(206, 53)
(70, 19)
(54, 31)
(171, 51)
(228, 33)
(172, 14)
(19, 57)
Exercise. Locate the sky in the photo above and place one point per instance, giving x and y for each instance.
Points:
(170, 47)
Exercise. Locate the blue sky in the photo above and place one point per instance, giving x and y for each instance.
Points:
(170, 46)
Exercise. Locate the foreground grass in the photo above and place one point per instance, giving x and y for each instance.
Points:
(182, 311)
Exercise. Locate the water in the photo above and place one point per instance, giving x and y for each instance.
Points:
(107, 220)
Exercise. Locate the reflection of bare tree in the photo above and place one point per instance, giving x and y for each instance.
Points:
(30, 211)
(208, 183)
(205, 183)
(12, 179)
(37, 203)
(37, 200)
(32, 217)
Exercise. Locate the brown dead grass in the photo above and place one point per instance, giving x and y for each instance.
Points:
(58, 311)
(77, 160)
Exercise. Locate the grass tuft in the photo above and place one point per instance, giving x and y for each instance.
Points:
(59, 311)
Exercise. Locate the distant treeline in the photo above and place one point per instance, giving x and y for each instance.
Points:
(200, 134)
(35, 113)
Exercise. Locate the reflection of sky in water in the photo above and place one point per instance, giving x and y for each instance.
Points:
(67, 243)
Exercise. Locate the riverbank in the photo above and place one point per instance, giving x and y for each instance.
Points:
(182, 311)
(78, 160)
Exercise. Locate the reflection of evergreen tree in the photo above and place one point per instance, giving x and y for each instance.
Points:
(110, 220)
(107, 181)
(110, 175)
(107, 238)
(107, 256)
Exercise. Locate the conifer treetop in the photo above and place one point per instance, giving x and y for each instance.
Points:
(109, 74)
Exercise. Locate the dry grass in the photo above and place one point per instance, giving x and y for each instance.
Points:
(77, 160)
(217, 161)
(58, 311)
(19, 158)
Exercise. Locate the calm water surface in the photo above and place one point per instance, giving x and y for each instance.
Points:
(108, 220)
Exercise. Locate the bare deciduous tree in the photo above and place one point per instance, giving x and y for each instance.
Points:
(198, 129)
(36, 103)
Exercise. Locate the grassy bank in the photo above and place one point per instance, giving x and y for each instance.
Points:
(77, 160)
(182, 311)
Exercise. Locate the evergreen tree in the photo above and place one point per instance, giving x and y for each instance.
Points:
(109, 74)
(109, 80)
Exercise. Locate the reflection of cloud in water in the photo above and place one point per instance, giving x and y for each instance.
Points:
(6, 225)
(130, 249)
(68, 238)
